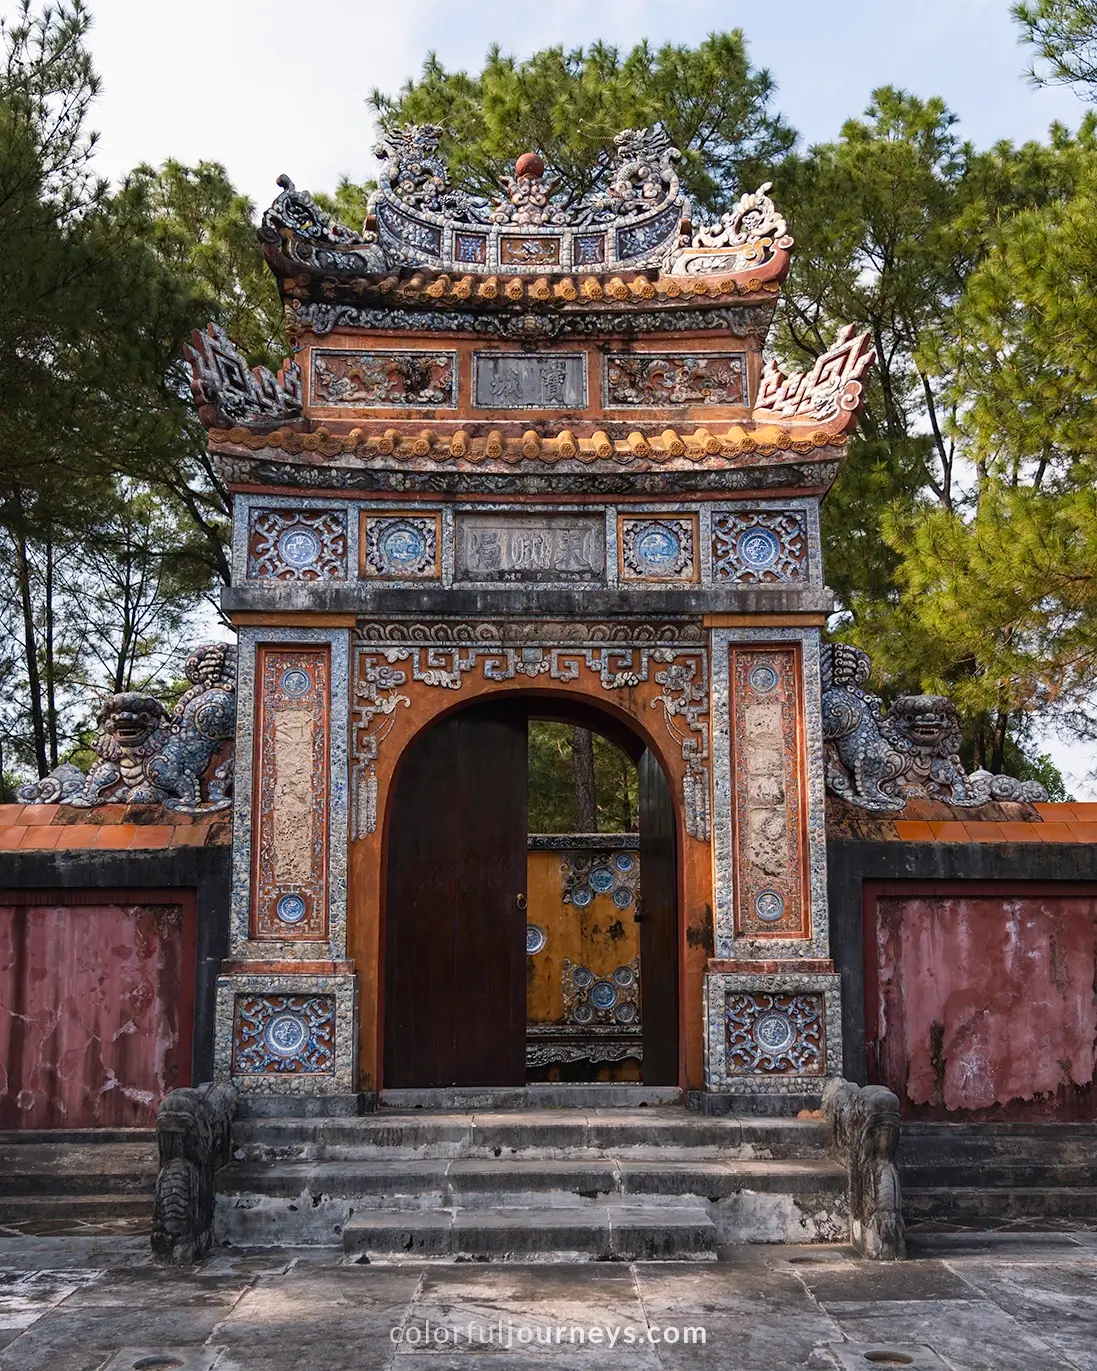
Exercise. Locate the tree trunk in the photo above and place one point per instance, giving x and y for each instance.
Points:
(50, 657)
(582, 761)
(30, 648)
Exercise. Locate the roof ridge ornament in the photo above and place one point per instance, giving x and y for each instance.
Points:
(228, 391)
(831, 386)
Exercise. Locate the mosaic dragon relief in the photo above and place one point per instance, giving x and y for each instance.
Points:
(877, 761)
(643, 380)
(396, 379)
(150, 756)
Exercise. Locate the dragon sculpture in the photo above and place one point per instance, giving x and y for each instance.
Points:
(876, 761)
(148, 756)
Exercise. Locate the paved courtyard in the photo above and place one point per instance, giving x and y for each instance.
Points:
(999, 1301)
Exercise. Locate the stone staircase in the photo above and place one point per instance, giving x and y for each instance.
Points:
(976, 1173)
(77, 1180)
(529, 1185)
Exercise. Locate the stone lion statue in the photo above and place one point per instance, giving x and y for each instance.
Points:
(876, 761)
(148, 756)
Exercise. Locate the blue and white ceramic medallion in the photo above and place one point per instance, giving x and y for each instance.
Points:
(623, 976)
(300, 547)
(763, 679)
(536, 938)
(582, 896)
(625, 1013)
(601, 879)
(624, 861)
(291, 909)
(402, 547)
(758, 548)
(286, 1034)
(623, 897)
(769, 906)
(603, 995)
(657, 548)
(582, 976)
(295, 682)
(582, 1013)
(774, 1033)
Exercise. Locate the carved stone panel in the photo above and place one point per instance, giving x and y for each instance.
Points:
(775, 1034)
(759, 547)
(652, 379)
(390, 379)
(291, 801)
(297, 545)
(530, 547)
(283, 1034)
(519, 380)
(768, 772)
(400, 547)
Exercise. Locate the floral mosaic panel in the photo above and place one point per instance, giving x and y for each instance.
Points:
(297, 545)
(586, 875)
(658, 549)
(768, 786)
(397, 379)
(291, 798)
(775, 1034)
(651, 380)
(400, 547)
(759, 547)
(283, 1034)
(590, 999)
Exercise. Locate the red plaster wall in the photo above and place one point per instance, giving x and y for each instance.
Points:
(95, 1011)
(984, 1004)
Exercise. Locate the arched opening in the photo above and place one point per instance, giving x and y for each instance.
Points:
(519, 951)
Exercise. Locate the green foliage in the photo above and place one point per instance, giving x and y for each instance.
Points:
(1064, 34)
(569, 105)
(552, 799)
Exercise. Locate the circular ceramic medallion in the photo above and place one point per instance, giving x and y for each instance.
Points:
(582, 1013)
(535, 938)
(402, 546)
(286, 1034)
(758, 548)
(769, 906)
(623, 897)
(763, 679)
(296, 681)
(582, 896)
(601, 879)
(299, 547)
(582, 976)
(603, 995)
(624, 861)
(774, 1033)
(625, 1013)
(291, 909)
(623, 976)
(657, 548)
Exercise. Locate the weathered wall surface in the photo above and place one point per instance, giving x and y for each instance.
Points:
(96, 1004)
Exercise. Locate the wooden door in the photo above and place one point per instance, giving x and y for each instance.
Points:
(455, 924)
(658, 926)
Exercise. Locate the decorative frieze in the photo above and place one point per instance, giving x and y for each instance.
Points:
(768, 791)
(657, 548)
(653, 380)
(400, 547)
(759, 547)
(297, 545)
(390, 379)
(291, 803)
(772, 1032)
(775, 1034)
(521, 380)
(591, 999)
(529, 547)
(283, 1035)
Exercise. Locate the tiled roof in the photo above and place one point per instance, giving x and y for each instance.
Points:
(134, 827)
(931, 821)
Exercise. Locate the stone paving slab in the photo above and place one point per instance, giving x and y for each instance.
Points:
(966, 1302)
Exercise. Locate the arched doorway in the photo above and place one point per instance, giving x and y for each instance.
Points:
(456, 941)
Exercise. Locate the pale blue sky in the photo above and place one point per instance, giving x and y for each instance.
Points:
(267, 86)
(270, 86)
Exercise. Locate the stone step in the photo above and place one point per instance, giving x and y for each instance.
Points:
(973, 1144)
(96, 1168)
(311, 1203)
(87, 1208)
(593, 1233)
(998, 1174)
(1007, 1202)
(532, 1097)
(549, 1133)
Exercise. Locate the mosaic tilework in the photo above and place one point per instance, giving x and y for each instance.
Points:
(759, 547)
(385, 380)
(587, 875)
(291, 825)
(400, 547)
(297, 545)
(775, 1034)
(660, 548)
(772, 1033)
(591, 999)
(767, 769)
(654, 380)
(294, 1034)
(269, 995)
